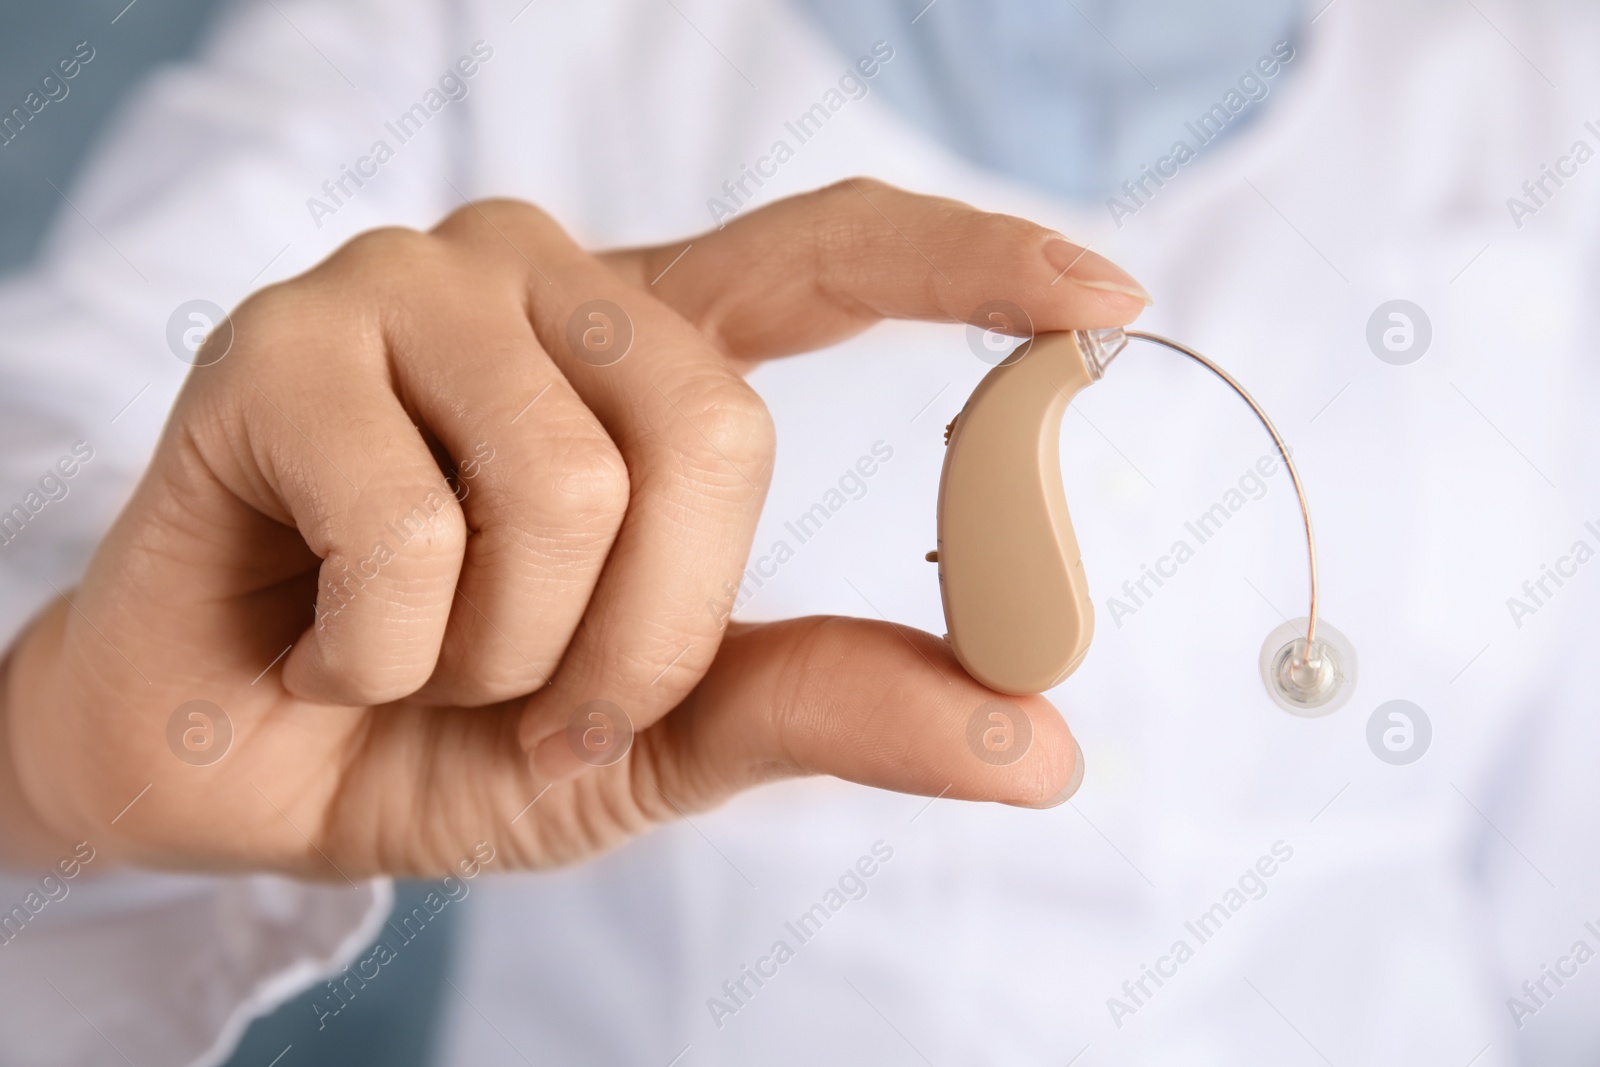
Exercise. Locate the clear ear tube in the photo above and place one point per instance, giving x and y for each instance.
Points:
(1307, 666)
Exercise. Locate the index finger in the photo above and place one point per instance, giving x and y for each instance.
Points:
(814, 269)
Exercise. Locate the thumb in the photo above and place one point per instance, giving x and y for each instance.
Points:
(870, 702)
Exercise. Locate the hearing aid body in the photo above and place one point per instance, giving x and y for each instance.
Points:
(1015, 596)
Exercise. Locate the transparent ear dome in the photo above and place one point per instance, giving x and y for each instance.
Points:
(1308, 680)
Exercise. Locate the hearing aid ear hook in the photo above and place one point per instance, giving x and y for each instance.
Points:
(1011, 575)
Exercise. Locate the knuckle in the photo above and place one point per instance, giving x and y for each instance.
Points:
(852, 207)
(386, 246)
(853, 187)
(512, 210)
(837, 208)
(483, 218)
(434, 523)
(729, 422)
(391, 264)
(1000, 230)
(589, 482)
(268, 315)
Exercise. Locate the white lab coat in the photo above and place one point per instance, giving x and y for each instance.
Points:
(1406, 904)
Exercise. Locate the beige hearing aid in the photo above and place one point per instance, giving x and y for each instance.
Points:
(1016, 599)
(1015, 596)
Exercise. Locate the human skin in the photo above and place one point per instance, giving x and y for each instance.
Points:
(422, 708)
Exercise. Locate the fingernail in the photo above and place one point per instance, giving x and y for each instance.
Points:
(553, 759)
(1067, 790)
(1083, 267)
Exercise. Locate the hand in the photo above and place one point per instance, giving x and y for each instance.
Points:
(418, 467)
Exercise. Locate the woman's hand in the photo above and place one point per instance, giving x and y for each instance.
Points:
(434, 539)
